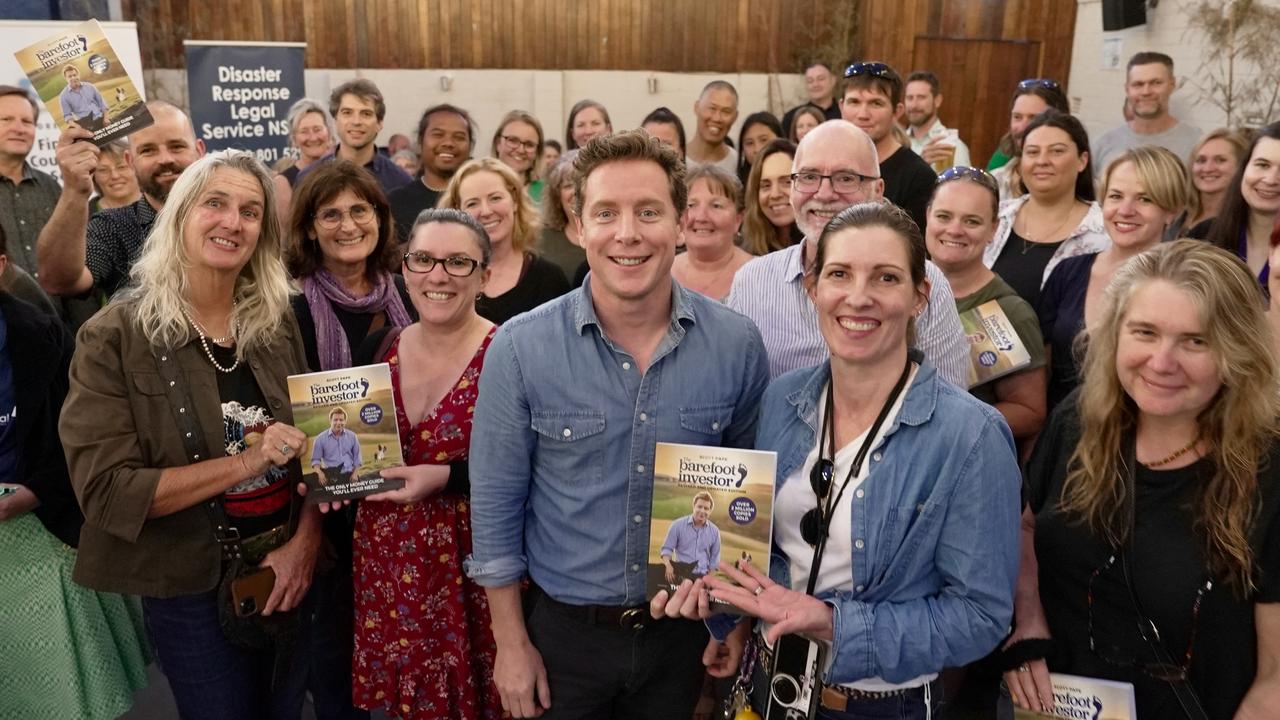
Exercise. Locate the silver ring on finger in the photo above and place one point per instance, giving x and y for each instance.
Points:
(1024, 668)
(286, 449)
(759, 589)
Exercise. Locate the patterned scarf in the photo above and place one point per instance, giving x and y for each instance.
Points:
(323, 291)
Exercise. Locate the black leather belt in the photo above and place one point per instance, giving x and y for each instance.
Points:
(625, 617)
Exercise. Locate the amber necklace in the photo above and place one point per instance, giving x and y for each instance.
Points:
(1176, 454)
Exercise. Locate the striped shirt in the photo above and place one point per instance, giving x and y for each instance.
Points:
(770, 291)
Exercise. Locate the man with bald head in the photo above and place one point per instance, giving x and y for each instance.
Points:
(76, 253)
(716, 110)
(835, 167)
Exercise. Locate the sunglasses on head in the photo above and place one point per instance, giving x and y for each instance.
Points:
(964, 172)
(1046, 83)
(875, 69)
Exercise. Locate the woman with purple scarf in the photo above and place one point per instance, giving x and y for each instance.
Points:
(342, 250)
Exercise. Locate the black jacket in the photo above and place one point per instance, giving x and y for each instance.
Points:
(39, 350)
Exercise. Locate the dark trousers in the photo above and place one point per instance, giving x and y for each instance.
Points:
(330, 644)
(211, 679)
(911, 706)
(92, 123)
(601, 672)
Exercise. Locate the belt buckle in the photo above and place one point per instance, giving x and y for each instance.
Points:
(632, 619)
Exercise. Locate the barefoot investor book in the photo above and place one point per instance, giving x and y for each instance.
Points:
(1086, 698)
(81, 81)
(711, 506)
(995, 350)
(349, 417)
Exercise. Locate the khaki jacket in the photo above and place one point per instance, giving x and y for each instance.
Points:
(119, 432)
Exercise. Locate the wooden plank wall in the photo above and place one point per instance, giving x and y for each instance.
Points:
(672, 35)
(973, 47)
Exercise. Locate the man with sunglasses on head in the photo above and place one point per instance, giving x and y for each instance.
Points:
(872, 100)
(835, 166)
(1149, 83)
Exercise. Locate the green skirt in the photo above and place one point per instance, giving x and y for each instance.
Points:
(69, 652)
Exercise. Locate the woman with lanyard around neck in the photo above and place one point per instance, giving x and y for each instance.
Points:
(1058, 217)
(178, 439)
(896, 511)
(1151, 540)
(1252, 203)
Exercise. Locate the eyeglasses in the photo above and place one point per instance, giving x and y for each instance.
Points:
(875, 69)
(964, 172)
(845, 181)
(1045, 83)
(455, 265)
(1149, 633)
(811, 525)
(514, 142)
(330, 218)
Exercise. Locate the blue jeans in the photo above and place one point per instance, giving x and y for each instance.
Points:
(911, 706)
(211, 679)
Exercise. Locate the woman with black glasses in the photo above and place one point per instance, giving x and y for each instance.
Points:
(1153, 501)
(895, 523)
(423, 648)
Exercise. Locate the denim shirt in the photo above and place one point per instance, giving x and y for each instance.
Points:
(935, 534)
(563, 440)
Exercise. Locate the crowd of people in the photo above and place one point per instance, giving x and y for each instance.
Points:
(1108, 506)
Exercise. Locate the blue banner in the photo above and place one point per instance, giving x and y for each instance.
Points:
(240, 94)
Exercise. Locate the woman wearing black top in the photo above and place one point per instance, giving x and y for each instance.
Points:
(1153, 501)
(1251, 205)
(492, 193)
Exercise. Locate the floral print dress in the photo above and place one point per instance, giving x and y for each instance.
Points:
(423, 647)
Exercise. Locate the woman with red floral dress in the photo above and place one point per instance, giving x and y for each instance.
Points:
(423, 648)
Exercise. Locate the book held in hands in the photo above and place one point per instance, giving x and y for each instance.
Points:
(349, 417)
(81, 81)
(995, 350)
(1086, 698)
(711, 506)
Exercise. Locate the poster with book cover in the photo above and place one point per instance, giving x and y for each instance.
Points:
(1086, 698)
(711, 507)
(349, 417)
(995, 350)
(81, 81)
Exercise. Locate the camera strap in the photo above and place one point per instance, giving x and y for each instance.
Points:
(1182, 690)
(827, 505)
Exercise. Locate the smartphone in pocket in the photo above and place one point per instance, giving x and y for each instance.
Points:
(249, 593)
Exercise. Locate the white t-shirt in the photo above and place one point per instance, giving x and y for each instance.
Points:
(797, 498)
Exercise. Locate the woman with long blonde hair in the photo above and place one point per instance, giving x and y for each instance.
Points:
(1151, 546)
(491, 192)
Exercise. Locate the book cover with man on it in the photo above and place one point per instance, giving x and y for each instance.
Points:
(349, 417)
(81, 81)
(995, 350)
(711, 506)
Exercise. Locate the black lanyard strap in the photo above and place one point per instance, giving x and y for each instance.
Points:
(827, 505)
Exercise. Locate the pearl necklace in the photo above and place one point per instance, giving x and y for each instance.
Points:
(204, 343)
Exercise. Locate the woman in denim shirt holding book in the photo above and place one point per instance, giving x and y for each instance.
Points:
(921, 498)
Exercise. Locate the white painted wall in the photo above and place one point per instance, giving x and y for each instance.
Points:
(548, 94)
(1097, 94)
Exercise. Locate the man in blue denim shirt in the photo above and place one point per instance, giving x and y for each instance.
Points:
(573, 398)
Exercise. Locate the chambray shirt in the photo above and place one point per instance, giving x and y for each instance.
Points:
(337, 450)
(82, 103)
(692, 544)
(563, 440)
(770, 290)
(934, 529)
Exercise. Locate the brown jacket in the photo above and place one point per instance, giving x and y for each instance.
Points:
(118, 431)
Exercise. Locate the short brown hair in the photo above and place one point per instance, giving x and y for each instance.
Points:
(704, 495)
(887, 83)
(629, 145)
(320, 186)
(1149, 58)
(363, 89)
(720, 179)
(6, 90)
